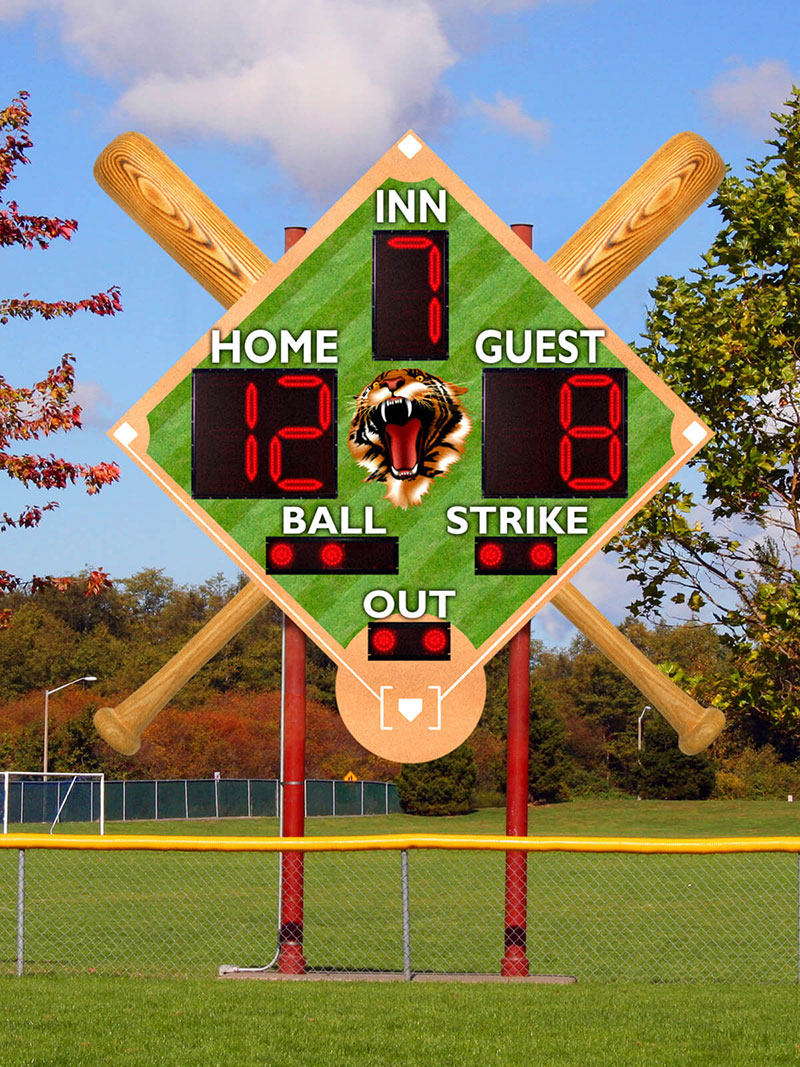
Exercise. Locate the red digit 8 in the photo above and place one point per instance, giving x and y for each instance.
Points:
(434, 279)
(580, 432)
(299, 433)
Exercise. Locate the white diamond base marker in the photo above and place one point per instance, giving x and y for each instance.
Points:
(409, 707)
(409, 146)
(125, 433)
(695, 433)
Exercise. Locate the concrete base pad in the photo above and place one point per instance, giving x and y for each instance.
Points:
(392, 976)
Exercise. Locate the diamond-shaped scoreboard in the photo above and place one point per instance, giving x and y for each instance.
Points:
(410, 432)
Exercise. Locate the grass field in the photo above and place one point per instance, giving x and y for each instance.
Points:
(81, 1023)
(602, 818)
(598, 917)
(669, 920)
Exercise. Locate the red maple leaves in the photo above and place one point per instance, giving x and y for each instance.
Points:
(47, 407)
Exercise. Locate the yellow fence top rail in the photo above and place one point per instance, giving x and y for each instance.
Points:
(396, 842)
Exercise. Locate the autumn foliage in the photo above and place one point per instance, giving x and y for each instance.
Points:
(237, 734)
(47, 407)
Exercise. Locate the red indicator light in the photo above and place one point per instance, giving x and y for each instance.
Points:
(490, 554)
(434, 640)
(332, 555)
(383, 640)
(542, 555)
(408, 641)
(281, 555)
(516, 555)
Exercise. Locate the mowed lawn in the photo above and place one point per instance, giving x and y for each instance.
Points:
(601, 918)
(680, 960)
(599, 818)
(84, 1022)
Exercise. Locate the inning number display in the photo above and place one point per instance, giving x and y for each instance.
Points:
(410, 295)
(410, 433)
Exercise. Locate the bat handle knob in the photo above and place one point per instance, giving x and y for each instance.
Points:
(700, 735)
(116, 732)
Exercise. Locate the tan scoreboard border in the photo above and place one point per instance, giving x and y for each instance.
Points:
(409, 160)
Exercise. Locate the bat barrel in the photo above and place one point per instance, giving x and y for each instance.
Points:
(695, 725)
(122, 727)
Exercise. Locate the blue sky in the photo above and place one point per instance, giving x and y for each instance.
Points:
(274, 109)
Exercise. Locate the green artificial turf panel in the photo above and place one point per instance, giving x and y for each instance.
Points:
(332, 289)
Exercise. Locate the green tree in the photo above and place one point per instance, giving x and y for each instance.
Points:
(441, 787)
(726, 339)
(550, 769)
(662, 772)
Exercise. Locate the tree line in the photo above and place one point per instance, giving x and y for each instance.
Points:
(726, 338)
(583, 711)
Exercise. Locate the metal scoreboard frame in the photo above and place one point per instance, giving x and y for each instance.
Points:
(420, 707)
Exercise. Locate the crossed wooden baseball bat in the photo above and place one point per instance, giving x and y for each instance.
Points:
(612, 243)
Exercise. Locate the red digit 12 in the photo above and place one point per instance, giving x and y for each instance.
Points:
(299, 433)
(573, 432)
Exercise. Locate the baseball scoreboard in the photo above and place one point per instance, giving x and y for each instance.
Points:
(410, 432)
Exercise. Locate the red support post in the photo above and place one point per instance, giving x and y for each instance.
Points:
(290, 958)
(515, 961)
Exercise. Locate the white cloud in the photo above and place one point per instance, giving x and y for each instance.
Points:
(14, 9)
(507, 113)
(745, 96)
(496, 7)
(327, 85)
(95, 403)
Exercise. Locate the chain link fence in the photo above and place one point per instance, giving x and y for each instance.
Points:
(598, 917)
(70, 799)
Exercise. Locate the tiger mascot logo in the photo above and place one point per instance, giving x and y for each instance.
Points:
(409, 427)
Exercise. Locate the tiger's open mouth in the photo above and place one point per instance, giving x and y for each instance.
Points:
(400, 425)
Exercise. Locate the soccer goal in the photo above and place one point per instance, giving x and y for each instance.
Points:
(55, 797)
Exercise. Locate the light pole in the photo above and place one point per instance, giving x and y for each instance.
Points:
(644, 712)
(47, 694)
(646, 708)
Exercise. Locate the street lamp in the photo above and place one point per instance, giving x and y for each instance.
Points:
(47, 694)
(644, 712)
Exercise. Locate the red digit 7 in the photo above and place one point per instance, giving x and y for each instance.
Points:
(434, 279)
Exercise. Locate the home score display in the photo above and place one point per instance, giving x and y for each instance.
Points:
(410, 432)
